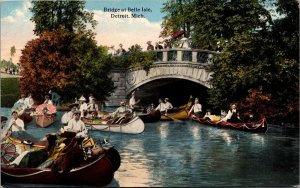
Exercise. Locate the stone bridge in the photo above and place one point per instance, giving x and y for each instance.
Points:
(188, 64)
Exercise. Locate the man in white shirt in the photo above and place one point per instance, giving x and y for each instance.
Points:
(161, 106)
(82, 106)
(16, 124)
(168, 105)
(133, 101)
(196, 108)
(76, 125)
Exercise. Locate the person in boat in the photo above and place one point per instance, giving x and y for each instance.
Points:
(232, 115)
(22, 99)
(55, 97)
(120, 112)
(15, 124)
(92, 109)
(69, 115)
(161, 106)
(82, 106)
(210, 117)
(48, 100)
(3, 132)
(76, 125)
(132, 101)
(29, 101)
(91, 97)
(196, 109)
(168, 105)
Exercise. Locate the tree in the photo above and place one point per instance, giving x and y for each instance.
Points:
(46, 64)
(178, 17)
(12, 52)
(65, 56)
(68, 15)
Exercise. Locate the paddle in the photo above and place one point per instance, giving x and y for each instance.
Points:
(174, 119)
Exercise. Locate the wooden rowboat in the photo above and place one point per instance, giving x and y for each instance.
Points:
(45, 115)
(258, 126)
(134, 125)
(45, 120)
(152, 116)
(97, 170)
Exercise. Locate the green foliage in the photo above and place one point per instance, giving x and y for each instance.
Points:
(9, 91)
(135, 57)
(57, 14)
(92, 68)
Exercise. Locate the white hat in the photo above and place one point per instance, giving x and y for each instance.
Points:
(184, 39)
(82, 98)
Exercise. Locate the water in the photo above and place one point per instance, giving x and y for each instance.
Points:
(189, 154)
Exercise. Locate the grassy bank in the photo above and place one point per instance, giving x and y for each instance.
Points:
(10, 92)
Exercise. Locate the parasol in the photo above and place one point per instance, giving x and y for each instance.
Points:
(177, 34)
(8, 151)
(45, 108)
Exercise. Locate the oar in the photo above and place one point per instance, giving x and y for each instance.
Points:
(174, 119)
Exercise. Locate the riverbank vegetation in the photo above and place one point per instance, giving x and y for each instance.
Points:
(9, 91)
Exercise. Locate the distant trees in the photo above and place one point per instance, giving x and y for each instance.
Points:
(65, 56)
(258, 66)
(134, 57)
(12, 52)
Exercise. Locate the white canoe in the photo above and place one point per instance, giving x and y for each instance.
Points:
(134, 126)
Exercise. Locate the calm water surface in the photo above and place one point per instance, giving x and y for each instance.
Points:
(190, 154)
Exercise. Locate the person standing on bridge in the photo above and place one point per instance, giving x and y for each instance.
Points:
(150, 46)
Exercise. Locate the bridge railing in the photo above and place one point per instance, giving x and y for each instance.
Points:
(185, 55)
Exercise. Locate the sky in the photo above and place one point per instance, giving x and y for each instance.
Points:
(17, 29)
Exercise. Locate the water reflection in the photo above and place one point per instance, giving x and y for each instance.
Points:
(133, 170)
(164, 130)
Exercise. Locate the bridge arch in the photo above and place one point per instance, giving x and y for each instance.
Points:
(191, 72)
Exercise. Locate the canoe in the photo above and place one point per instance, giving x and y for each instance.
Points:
(45, 115)
(260, 126)
(152, 116)
(180, 113)
(45, 120)
(132, 126)
(97, 170)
